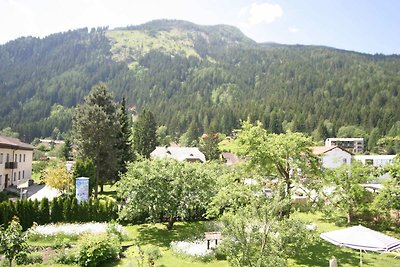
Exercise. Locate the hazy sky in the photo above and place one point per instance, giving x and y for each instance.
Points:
(371, 26)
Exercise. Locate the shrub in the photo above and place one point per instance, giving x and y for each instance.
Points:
(153, 253)
(95, 250)
(24, 258)
(3, 196)
(67, 256)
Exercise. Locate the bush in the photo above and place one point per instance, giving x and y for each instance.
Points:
(3, 196)
(67, 256)
(24, 258)
(95, 250)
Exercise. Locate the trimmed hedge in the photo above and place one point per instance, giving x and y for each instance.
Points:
(61, 209)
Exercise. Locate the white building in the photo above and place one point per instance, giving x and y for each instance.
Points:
(15, 162)
(191, 154)
(332, 156)
(354, 145)
(375, 160)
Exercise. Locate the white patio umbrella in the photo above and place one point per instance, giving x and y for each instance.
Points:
(363, 239)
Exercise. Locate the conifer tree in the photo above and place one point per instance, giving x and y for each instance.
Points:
(124, 144)
(144, 134)
(95, 129)
(44, 211)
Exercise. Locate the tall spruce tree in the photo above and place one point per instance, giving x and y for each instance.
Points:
(144, 134)
(95, 129)
(124, 143)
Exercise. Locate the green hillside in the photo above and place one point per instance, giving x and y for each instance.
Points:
(202, 78)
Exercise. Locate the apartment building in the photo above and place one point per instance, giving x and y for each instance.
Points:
(354, 145)
(15, 162)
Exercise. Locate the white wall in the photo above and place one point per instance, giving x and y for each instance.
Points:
(22, 173)
(335, 158)
(376, 160)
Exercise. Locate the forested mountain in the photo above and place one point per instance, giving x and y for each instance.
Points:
(196, 78)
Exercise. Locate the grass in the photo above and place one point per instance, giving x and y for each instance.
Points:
(150, 235)
(130, 44)
(318, 253)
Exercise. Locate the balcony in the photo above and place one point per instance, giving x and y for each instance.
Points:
(11, 165)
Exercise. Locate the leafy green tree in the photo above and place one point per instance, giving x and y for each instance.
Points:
(58, 177)
(144, 134)
(253, 237)
(165, 188)
(209, 146)
(12, 241)
(389, 197)
(254, 233)
(285, 156)
(95, 129)
(349, 196)
(163, 139)
(9, 132)
(124, 136)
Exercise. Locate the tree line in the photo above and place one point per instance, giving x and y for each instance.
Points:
(301, 88)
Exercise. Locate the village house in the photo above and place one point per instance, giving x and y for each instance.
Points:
(15, 162)
(190, 154)
(332, 156)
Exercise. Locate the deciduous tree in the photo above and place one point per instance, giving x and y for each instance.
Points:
(12, 240)
(165, 188)
(287, 157)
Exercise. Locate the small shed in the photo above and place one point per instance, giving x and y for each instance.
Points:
(212, 236)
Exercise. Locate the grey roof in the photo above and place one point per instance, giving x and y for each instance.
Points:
(14, 143)
(178, 153)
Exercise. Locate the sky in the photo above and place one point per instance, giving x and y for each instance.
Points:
(368, 26)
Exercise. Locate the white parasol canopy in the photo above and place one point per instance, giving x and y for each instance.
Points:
(360, 237)
(363, 239)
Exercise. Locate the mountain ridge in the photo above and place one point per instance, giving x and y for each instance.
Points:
(187, 80)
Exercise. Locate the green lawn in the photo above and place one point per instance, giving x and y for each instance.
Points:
(318, 254)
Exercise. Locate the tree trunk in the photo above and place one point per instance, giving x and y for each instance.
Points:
(96, 184)
(349, 216)
(171, 221)
(101, 188)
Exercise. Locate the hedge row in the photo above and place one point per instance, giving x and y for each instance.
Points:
(61, 209)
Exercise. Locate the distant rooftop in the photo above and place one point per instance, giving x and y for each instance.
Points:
(179, 153)
(14, 143)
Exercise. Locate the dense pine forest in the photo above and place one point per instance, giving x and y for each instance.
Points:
(197, 78)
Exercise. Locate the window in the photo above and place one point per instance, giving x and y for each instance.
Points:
(24, 157)
(344, 160)
(16, 158)
(20, 157)
(1, 158)
(15, 176)
(19, 175)
(1, 178)
(23, 174)
(8, 158)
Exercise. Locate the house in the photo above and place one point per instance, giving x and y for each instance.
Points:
(332, 156)
(190, 154)
(354, 145)
(375, 160)
(15, 162)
